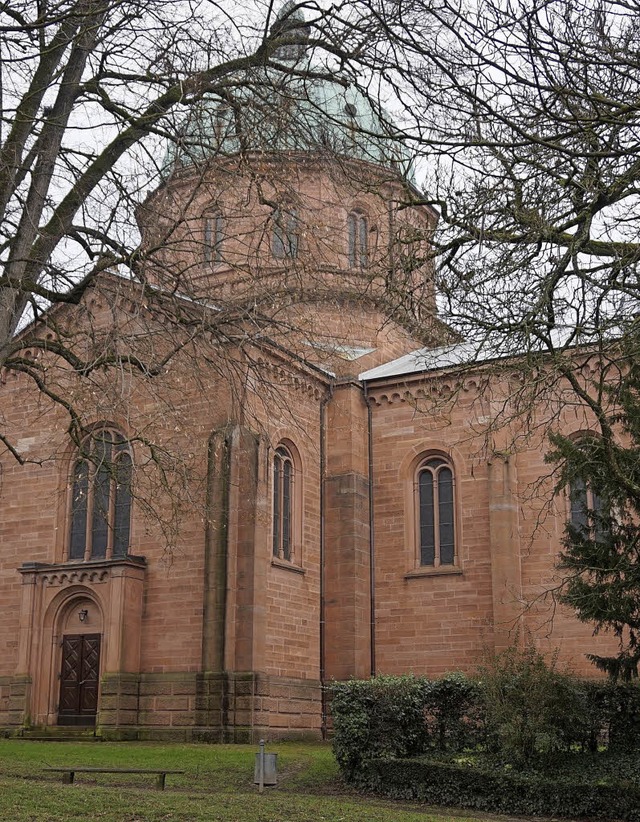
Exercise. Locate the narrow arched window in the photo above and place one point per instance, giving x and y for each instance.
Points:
(213, 238)
(285, 239)
(283, 503)
(436, 512)
(585, 505)
(408, 254)
(101, 498)
(578, 505)
(357, 240)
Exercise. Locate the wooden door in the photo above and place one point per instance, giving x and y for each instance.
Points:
(79, 678)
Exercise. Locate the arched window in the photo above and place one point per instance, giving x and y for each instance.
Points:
(284, 242)
(213, 238)
(588, 509)
(436, 512)
(408, 254)
(101, 498)
(283, 503)
(584, 502)
(357, 240)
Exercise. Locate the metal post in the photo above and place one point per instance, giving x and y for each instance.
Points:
(261, 783)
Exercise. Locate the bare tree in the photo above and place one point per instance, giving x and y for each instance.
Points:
(135, 139)
(528, 121)
(92, 95)
(528, 118)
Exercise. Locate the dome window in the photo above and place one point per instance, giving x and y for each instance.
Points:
(213, 237)
(284, 242)
(357, 240)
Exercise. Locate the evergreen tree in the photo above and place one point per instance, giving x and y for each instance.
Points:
(601, 546)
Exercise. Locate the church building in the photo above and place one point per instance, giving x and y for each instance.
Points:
(318, 482)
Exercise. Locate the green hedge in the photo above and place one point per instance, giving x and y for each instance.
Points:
(616, 711)
(520, 710)
(454, 712)
(381, 717)
(499, 790)
(528, 729)
(532, 709)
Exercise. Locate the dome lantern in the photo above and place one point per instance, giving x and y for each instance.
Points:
(290, 23)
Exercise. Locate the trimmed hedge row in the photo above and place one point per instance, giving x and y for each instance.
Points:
(535, 739)
(498, 791)
(521, 712)
(403, 716)
(381, 717)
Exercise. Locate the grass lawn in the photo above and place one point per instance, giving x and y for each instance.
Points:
(217, 786)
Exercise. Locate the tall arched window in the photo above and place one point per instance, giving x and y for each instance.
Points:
(283, 503)
(213, 238)
(357, 240)
(101, 498)
(284, 242)
(436, 512)
(584, 502)
(588, 510)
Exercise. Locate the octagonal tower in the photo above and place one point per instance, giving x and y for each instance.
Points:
(288, 202)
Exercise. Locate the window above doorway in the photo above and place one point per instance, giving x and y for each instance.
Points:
(100, 505)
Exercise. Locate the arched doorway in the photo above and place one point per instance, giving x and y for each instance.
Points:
(79, 672)
(107, 638)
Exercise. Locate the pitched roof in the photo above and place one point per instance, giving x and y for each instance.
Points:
(430, 359)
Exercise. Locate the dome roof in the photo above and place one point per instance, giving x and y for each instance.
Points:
(269, 110)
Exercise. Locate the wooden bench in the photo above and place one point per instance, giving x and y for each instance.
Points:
(69, 773)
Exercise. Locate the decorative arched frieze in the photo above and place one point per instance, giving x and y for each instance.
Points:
(79, 577)
(463, 389)
(283, 376)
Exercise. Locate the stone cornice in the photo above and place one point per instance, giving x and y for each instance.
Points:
(79, 572)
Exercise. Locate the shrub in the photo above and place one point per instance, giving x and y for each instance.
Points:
(522, 710)
(378, 718)
(454, 712)
(500, 790)
(614, 712)
(395, 717)
(531, 708)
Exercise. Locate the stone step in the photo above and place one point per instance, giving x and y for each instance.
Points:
(53, 738)
(59, 734)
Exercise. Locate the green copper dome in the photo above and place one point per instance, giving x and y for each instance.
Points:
(269, 110)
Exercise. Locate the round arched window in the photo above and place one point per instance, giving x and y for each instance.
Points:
(283, 503)
(101, 497)
(436, 512)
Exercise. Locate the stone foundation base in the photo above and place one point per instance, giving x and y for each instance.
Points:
(14, 702)
(198, 707)
(208, 707)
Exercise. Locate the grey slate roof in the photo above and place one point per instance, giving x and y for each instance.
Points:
(429, 359)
